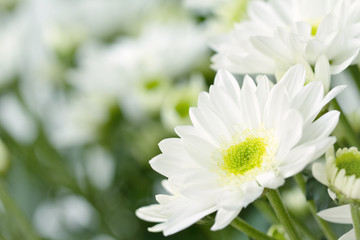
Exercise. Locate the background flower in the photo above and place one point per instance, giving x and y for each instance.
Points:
(278, 34)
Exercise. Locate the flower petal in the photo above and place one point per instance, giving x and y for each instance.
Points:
(339, 214)
(224, 218)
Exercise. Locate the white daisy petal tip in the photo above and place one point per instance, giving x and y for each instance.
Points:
(340, 214)
(223, 218)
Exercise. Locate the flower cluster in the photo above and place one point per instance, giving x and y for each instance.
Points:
(257, 102)
(244, 142)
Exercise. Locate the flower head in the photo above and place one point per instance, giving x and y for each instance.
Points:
(242, 141)
(341, 173)
(278, 34)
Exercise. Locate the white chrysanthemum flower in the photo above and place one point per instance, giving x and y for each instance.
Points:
(341, 173)
(280, 33)
(241, 142)
(223, 13)
(178, 100)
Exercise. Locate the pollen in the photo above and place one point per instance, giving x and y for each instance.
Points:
(349, 161)
(244, 156)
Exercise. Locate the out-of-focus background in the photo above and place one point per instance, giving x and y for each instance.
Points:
(88, 88)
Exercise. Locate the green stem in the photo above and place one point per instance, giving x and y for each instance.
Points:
(325, 227)
(264, 207)
(355, 213)
(13, 210)
(252, 232)
(355, 74)
(350, 133)
(281, 212)
(301, 226)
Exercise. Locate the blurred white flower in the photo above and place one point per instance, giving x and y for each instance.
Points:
(75, 122)
(281, 33)
(295, 201)
(54, 219)
(139, 71)
(100, 167)
(178, 100)
(241, 142)
(102, 237)
(11, 45)
(204, 6)
(221, 15)
(16, 121)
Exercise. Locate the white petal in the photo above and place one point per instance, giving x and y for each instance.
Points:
(227, 108)
(276, 106)
(165, 165)
(296, 160)
(322, 72)
(227, 81)
(322, 146)
(294, 79)
(208, 122)
(331, 95)
(270, 180)
(272, 48)
(264, 14)
(339, 214)
(234, 199)
(157, 228)
(343, 60)
(308, 100)
(251, 191)
(331, 194)
(171, 146)
(290, 132)
(186, 218)
(322, 127)
(249, 103)
(350, 235)
(151, 213)
(198, 148)
(193, 176)
(319, 173)
(224, 218)
(263, 90)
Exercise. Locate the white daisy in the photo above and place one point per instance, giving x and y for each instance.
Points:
(341, 173)
(280, 33)
(241, 142)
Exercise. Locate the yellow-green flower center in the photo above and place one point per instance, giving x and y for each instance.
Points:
(182, 107)
(242, 157)
(152, 84)
(350, 162)
(314, 26)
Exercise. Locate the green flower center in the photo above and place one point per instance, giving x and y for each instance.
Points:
(152, 84)
(350, 162)
(182, 108)
(242, 157)
(314, 26)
